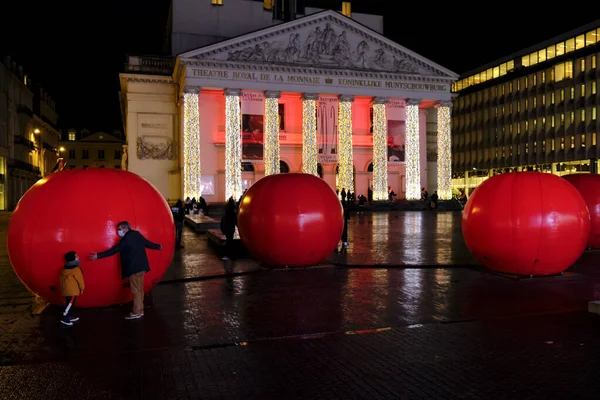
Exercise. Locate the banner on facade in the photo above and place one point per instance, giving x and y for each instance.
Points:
(396, 131)
(253, 110)
(327, 129)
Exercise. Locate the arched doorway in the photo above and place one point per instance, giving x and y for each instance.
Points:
(283, 167)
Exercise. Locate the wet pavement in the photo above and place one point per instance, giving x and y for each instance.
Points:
(318, 333)
(405, 239)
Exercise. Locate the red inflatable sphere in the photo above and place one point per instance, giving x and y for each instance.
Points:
(526, 223)
(588, 186)
(77, 210)
(290, 220)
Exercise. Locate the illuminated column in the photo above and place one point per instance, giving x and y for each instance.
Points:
(309, 133)
(233, 144)
(380, 161)
(444, 150)
(413, 163)
(271, 140)
(345, 157)
(191, 147)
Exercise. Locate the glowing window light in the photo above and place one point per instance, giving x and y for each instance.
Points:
(233, 145)
(191, 146)
(271, 140)
(380, 161)
(444, 145)
(413, 161)
(345, 157)
(309, 134)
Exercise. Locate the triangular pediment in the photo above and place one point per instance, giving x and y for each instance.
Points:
(100, 137)
(324, 40)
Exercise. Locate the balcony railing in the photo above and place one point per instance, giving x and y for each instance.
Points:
(23, 165)
(151, 65)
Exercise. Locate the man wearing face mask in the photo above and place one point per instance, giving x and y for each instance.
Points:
(134, 263)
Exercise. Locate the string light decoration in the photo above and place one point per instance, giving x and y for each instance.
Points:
(345, 156)
(380, 161)
(191, 147)
(413, 161)
(271, 140)
(444, 151)
(309, 134)
(233, 145)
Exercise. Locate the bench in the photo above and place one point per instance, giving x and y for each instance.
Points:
(201, 223)
(217, 240)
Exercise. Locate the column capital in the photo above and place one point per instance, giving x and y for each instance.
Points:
(192, 89)
(346, 97)
(413, 102)
(310, 96)
(233, 92)
(380, 100)
(272, 94)
(443, 103)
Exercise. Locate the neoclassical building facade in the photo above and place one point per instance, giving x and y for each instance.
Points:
(321, 94)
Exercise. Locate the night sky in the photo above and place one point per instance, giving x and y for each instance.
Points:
(77, 48)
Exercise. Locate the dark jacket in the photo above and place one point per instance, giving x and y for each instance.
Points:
(132, 249)
(178, 216)
(228, 224)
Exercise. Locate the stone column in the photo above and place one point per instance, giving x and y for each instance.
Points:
(233, 144)
(271, 136)
(309, 133)
(444, 150)
(124, 158)
(412, 157)
(345, 154)
(380, 160)
(191, 146)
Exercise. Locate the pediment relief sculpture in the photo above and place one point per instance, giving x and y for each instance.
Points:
(324, 46)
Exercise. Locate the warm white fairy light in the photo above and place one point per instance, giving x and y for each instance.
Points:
(191, 147)
(413, 163)
(309, 134)
(345, 157)
(444, 152)
(233, 145)
(271, 137)
(380, 177)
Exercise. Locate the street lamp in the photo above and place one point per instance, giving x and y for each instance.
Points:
(36, 131)
(61, 149)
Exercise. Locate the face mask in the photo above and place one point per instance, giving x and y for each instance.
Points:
(121, 233)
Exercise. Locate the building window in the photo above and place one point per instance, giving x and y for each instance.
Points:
(117, 154)
(85, 154)
(593, 61)
(582, 140)
(552, 121)
(582, 112)
(582, 64)
(593, 113)
(543, 76)
(562, 143)
(572, 142)
(582, 91)
(72, 154)
(594, 139)
(572, 93)
(562, 119)
(544, 121)
(572, 117)
(544, 99)
(535, 102)
(510, 87)
(101, 154)
(562, 94)
(534, 79)
(593, 87)
(217, 2)
(552, 98)
(552, 145)
(72, 136)
(347, 9)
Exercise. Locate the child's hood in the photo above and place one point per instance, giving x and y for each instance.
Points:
(69, 271)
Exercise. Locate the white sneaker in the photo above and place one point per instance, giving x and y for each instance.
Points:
(225, 258)
(134, 316)
(345, 244)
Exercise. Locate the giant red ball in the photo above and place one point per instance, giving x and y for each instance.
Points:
(77, 210)
(526, 223)
(290, 220)
(588, 186)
